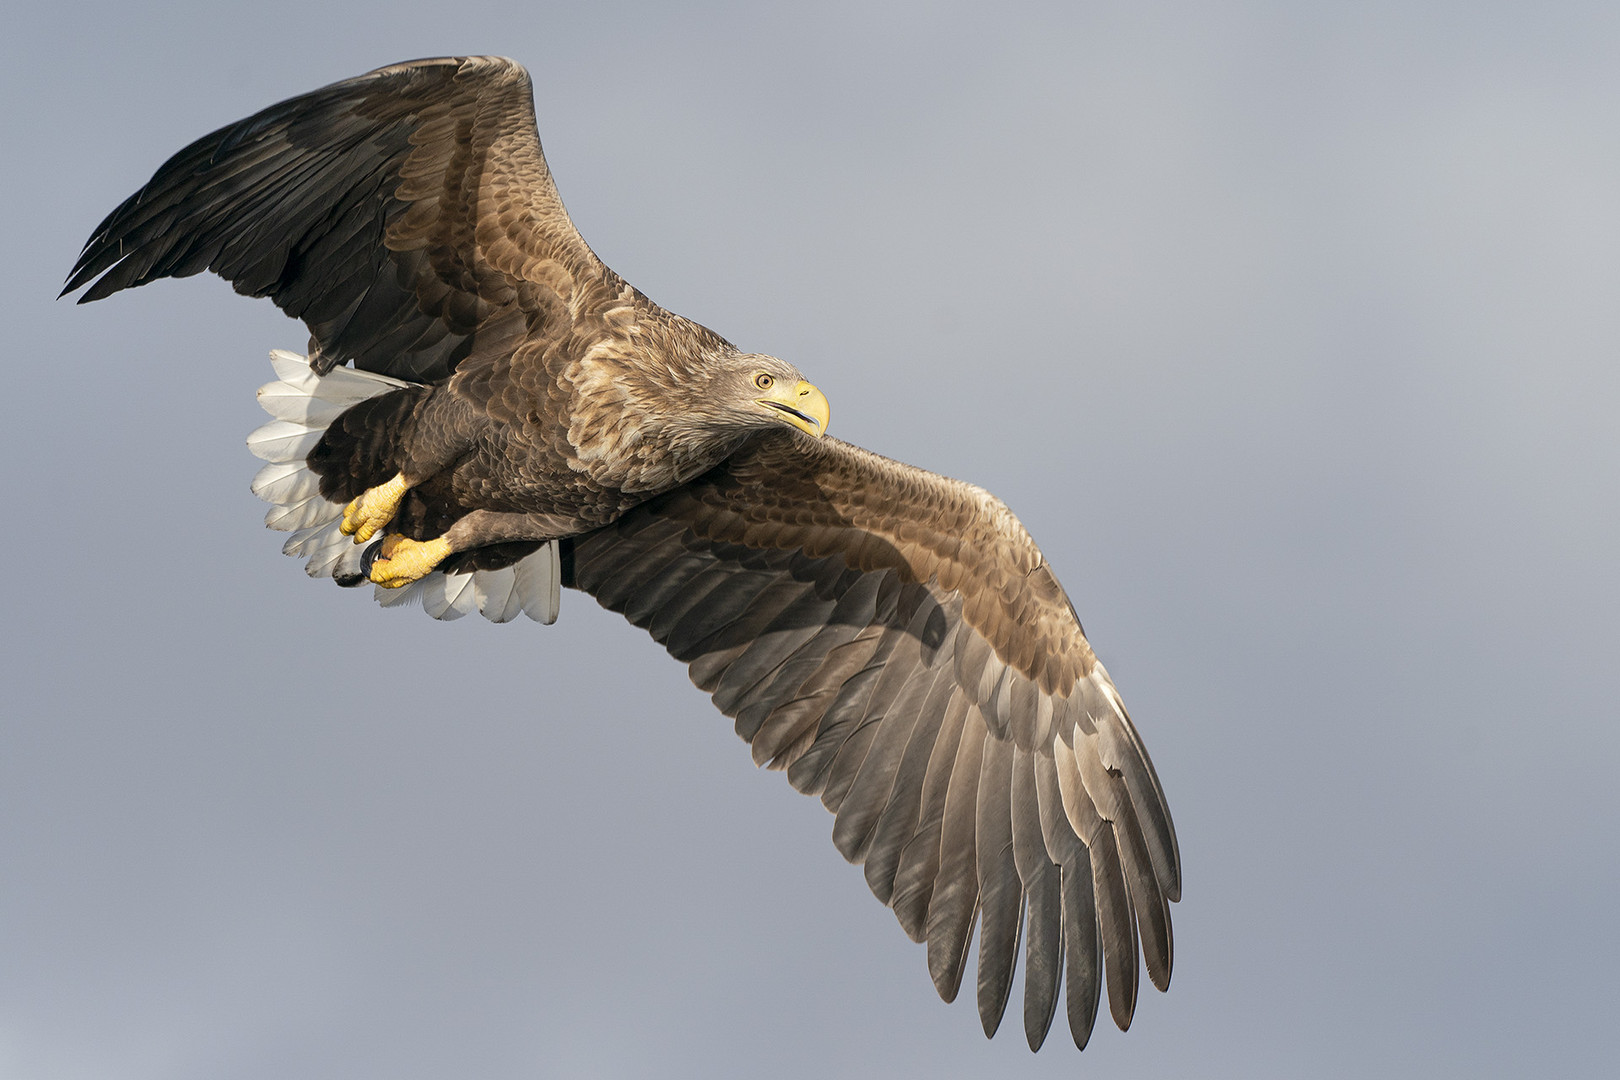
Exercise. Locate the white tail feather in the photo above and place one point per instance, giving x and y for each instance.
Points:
(402, 596)
(285, 482)
(302, 516)
(301, 405)
(497, 594)
(285, 401)
(539, 584)
(283, 440)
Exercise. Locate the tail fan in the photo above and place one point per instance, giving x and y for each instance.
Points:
(301, 405)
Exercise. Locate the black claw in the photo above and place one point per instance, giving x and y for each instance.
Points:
(369, 556)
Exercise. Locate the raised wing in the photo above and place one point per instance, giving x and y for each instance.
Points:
(896, 643)
(407, 216)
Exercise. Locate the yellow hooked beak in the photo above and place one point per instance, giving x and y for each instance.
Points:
(803, 406)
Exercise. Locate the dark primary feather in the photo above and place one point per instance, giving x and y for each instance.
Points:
(1042, 880)
(1001, 890)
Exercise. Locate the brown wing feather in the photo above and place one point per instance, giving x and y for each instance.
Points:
(406, 215)
(895, 641)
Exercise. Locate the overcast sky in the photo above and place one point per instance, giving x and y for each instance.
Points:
(1289, 330)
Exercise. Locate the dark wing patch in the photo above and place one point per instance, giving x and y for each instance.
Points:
(893, 641)
(407, 216)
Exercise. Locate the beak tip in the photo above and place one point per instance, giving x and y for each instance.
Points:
(805, 408)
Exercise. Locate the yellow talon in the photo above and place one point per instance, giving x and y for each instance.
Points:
(374, 508)
(401, 561)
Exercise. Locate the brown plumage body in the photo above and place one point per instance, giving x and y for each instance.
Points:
(891, 638)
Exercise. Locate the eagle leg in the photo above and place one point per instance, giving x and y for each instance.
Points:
(399, 560)
(374, 508)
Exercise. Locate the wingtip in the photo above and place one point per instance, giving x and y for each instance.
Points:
(74, 283)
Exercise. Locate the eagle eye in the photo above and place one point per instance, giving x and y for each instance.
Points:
(763, 381)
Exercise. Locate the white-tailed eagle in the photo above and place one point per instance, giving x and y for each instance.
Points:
(518, 418)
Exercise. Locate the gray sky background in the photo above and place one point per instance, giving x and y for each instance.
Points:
(1289, 330)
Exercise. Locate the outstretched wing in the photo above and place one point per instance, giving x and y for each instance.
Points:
(407, 216)
(895, 641)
